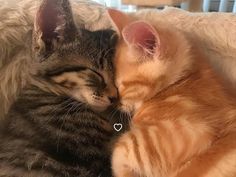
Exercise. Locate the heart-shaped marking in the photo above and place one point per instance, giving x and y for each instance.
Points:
(117, 126)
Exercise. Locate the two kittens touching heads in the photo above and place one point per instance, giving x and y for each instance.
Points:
(82, 82)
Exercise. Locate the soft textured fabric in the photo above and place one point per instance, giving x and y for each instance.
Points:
(153, 2)
(193, 5)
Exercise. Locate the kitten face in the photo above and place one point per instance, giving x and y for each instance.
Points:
(85, 71)
(78, 61)
(135, 81)
(87, 74)
(149, 58)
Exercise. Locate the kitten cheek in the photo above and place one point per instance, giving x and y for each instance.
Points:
(100, 104)
(78, 96)
(83, 95)
(94, 102)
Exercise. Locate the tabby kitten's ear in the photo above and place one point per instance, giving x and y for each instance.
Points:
(142, 37)
(53, 26)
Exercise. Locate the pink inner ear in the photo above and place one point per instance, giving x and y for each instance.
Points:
(47, 18)
(142, 35)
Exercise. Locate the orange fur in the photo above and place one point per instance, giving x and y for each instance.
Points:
(184, 122)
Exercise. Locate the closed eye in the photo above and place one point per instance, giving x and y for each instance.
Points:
(95, 79)
(98, 74)
(72, 77)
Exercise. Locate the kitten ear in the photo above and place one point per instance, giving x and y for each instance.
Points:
(142, 37)
(118, 19)
(53, 25)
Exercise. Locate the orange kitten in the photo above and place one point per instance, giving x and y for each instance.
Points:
(184, 122)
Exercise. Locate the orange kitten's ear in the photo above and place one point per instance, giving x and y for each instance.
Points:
(118, 19)
(143, 37)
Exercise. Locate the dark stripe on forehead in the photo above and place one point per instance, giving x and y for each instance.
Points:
(64, 69)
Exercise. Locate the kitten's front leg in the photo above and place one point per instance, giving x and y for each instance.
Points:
(157, 150)
(124, 159)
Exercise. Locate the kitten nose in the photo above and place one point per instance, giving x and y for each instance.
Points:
(113, 99)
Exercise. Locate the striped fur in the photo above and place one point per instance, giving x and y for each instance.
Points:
(16, 24)
(184, 122)
(51, 135)
(61, 125)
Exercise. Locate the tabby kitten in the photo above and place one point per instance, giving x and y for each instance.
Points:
(184, 122)
(56, 128)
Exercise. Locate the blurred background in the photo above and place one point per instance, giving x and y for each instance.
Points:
(191, 5)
